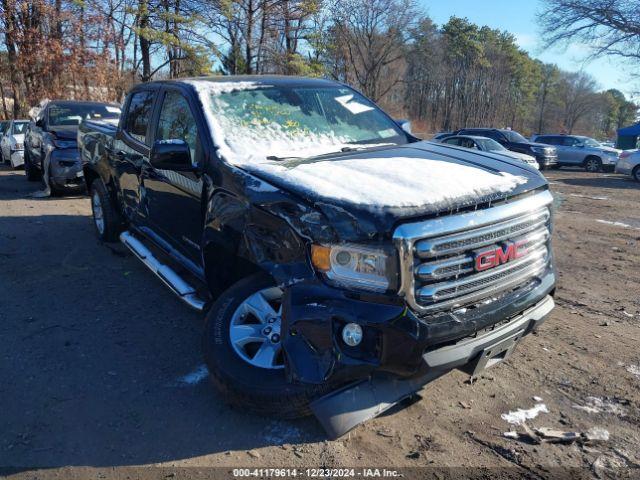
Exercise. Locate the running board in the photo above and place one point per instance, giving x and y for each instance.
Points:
(175, 282)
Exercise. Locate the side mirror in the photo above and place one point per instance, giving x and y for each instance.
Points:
(580, 145)
(40, 123)
(404, 124)
(171, 155)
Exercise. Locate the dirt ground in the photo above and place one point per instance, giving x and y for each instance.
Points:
(101, 371)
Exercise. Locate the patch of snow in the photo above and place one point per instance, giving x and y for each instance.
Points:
(392, 182)
(537, 399)
(616, 224)
(597, 434)
(588, 196)
(195, 377)
(520, 416)
(598, 404)
(634, 370)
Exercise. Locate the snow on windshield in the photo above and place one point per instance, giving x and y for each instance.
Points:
(250, 130)
(393, 182)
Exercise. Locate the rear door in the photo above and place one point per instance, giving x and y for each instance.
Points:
(174, 199)
(572, 154)
(131, 148)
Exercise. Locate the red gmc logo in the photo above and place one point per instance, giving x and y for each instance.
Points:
(499, 255)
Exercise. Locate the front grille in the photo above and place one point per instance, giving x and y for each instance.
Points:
(438, 256)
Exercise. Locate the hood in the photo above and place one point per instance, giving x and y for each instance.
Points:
(610, 150)
(519, 156)
(65, 133)
(369, 192)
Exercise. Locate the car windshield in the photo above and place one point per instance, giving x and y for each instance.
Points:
(19, 127)
(514, 137)
(69, 115)
(271, 123)
(489, 145)
(590, 142)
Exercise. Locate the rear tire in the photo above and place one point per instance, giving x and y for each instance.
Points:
(593, 164)
(265, 391)
(106, 219)
(32, 174)
(636, 173)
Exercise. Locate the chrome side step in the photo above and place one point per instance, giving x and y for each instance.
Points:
(175, 282)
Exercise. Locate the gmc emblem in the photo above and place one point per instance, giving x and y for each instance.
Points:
(498, 255)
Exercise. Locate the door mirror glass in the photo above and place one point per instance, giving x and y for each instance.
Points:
(40, 123)
(171, 155)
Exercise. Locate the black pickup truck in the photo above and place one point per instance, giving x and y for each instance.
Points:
(343, 262)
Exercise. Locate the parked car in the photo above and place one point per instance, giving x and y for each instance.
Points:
(340, 259)
(545, 155)
(12, 143)
(575, 150)
(629, 164)
(485, 144)
(51, 150)
(438, 137)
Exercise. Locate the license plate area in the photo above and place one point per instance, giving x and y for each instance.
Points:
(494, 354)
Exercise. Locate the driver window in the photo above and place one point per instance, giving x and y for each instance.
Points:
(176, 122)
(569, 142)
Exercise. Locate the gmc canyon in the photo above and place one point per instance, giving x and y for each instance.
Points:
(343, 262)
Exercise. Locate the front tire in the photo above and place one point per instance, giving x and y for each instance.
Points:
(593, 164)
(244, 362)
(106, 218)
(636, 173)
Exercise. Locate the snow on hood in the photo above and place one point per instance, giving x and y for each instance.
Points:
(392, 181)
(375, 182)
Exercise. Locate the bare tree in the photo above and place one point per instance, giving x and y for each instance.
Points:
(610, 27)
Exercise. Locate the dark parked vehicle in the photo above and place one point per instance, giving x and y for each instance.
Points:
(575, 150)
(544, 154)
(343, 262)
(50, 147)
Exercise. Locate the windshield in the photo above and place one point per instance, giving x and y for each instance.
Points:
(259, 124)
(514, 137)
(590, 142)
(69, 115)
(19, 127)
(489, 145)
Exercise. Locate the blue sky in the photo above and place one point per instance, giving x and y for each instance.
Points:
(519, 18)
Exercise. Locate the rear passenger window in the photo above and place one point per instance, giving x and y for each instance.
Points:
(138, 115)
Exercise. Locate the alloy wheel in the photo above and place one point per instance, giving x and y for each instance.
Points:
(98, 214)
(255, 329)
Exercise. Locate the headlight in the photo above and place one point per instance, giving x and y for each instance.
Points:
(64, 143)
(538, 149)
(356, 266)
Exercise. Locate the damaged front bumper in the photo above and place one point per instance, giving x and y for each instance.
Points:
(344, 409)
(400, 351)
(66, 169)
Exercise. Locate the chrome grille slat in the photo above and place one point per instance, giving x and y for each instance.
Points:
(453, 267)
(438, 256)
(459, 242)
(446, 290)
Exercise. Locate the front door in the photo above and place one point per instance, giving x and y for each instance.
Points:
(129, 151)
(173, 199)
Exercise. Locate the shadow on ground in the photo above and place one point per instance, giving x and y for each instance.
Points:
(100, 364)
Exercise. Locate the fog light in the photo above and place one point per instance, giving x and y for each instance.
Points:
(352, 334)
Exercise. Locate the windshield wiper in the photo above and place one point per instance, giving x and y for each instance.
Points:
(273, 157)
